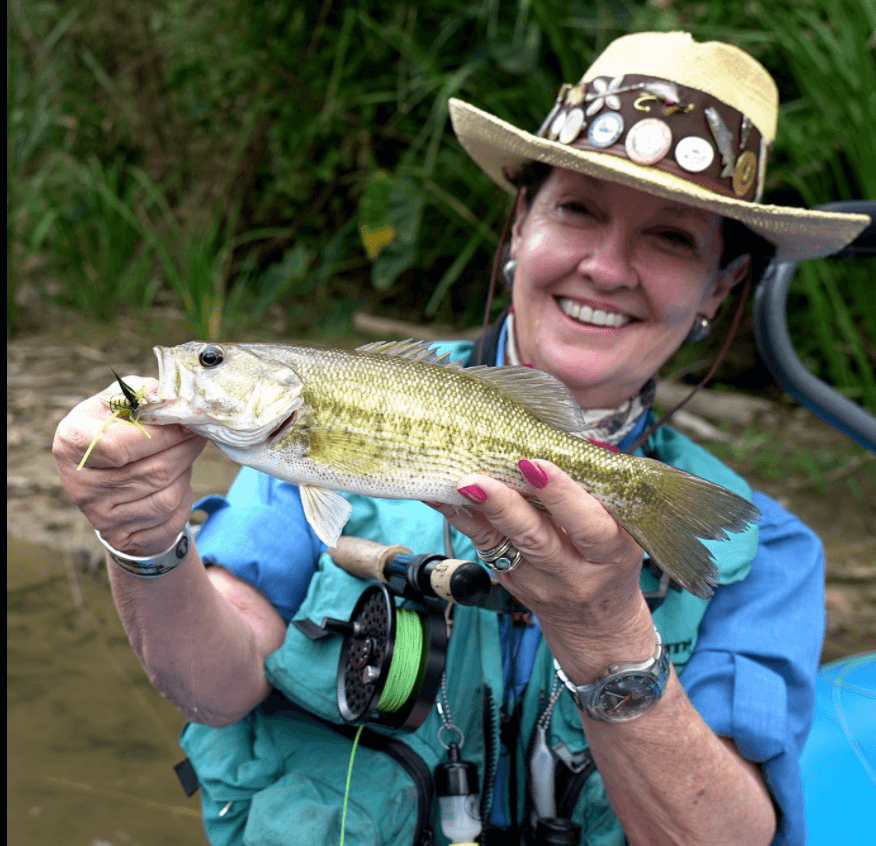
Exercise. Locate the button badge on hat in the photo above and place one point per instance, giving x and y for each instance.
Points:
(743, 176)
(648, 141)
(572, 126)
(694, 154)
(605, 129)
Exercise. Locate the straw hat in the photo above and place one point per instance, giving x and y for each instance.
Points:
(660, 112)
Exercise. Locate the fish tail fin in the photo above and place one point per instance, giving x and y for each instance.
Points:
(674, 510)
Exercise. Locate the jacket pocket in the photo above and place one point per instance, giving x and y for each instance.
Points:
(285, 772)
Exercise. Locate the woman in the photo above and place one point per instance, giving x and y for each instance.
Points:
(626, 237)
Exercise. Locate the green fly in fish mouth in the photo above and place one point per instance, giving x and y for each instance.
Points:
(397, 421)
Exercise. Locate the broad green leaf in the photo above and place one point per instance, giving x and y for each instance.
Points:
(398, 252)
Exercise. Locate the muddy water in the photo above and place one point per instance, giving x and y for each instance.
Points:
(91, 744)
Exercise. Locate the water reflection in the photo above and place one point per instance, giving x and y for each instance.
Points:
(91, 745)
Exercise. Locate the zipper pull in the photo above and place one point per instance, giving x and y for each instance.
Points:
(575, 761)
(541, 767)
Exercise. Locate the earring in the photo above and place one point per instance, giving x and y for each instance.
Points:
(700, 329)
(508, 271)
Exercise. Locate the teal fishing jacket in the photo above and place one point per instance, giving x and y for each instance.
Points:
(278, 775)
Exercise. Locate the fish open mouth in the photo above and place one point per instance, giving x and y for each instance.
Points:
(283, 427)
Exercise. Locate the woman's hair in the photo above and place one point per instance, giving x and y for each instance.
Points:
(739, 240)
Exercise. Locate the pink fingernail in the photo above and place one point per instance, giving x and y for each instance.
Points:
(475, 493)
(533, 473)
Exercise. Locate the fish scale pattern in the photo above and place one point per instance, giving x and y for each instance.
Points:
(395, 421)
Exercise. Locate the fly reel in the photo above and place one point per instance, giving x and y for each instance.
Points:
(391, 660)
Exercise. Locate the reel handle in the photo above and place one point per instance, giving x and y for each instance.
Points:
(413, 576)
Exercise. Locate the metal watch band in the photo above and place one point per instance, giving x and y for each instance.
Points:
(152, 566)
(655, 669)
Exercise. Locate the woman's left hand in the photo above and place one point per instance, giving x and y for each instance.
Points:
(580, 568)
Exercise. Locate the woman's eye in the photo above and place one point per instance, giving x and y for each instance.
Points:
(678, 239)
(577, 208)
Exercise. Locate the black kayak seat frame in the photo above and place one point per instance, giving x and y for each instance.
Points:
(777, 351)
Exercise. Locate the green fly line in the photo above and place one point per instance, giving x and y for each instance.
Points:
(405, 667)
(347, 788)
(404, 670)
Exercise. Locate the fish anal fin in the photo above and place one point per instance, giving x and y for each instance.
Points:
(326, 511)
(544, 395)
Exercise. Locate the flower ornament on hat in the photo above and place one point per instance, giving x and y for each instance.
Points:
(665, 114)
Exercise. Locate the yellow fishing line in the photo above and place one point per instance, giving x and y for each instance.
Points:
(118, 794)
(404, 669)
(119, 413)
(103, 427)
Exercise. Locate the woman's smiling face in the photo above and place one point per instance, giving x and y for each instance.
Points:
(609, 281)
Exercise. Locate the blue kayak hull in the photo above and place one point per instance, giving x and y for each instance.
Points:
(839, 759)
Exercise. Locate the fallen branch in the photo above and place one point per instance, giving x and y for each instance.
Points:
(720, 406)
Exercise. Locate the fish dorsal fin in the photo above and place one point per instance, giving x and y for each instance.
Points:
(412, 350)
(544, 395)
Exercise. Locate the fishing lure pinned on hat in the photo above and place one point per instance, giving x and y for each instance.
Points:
(397, 421)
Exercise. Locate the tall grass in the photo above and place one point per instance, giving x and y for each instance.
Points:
(241, 154)
(823, 56)
(835, 102)
(95, 240)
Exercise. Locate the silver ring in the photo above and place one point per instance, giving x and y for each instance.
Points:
(452, 728)
(488, 556)
(502, 558)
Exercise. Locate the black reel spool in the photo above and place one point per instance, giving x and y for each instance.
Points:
(371, 655)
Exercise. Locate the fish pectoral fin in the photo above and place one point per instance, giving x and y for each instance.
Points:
(326, 511)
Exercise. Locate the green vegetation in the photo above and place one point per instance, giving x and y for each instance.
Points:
(231, 157)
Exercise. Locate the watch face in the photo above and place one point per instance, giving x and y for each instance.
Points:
(626, 696)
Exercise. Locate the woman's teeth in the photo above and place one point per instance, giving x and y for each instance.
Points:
(595, 317)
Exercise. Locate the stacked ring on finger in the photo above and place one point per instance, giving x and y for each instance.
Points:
(502, 558)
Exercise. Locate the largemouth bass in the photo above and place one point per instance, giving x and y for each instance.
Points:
(395, 420)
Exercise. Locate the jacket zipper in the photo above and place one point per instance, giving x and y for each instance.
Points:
(491, 753)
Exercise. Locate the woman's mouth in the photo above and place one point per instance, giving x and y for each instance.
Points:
(592, 317)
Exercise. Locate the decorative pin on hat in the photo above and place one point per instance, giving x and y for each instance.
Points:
(665, 114)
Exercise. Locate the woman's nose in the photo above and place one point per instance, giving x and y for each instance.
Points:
(607, 261)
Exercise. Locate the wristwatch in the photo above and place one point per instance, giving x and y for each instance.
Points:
(623, 691)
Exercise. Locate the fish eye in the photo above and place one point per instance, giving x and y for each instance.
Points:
(211, 356)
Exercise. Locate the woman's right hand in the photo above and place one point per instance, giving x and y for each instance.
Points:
(136, 491)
